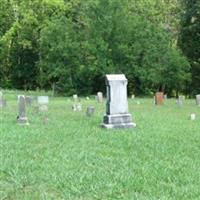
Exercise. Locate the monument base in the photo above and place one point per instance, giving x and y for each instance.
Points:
(22, 121)
(118, 121)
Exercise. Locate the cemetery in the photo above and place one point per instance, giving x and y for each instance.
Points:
(57, 151)
(99, 100)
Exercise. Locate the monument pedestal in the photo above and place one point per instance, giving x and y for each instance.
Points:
(118, 121)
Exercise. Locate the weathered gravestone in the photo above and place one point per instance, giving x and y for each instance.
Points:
(90, 111)
(117, 115)
(198, 100)
(132, 96)
(100, 97)
(43, 102)
(77, 107)
(2, 101)
(22, 118)
(159, 98)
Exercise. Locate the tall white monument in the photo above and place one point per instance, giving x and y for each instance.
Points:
(117, 115)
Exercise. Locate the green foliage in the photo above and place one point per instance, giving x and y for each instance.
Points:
(71, 45)
(189, 40)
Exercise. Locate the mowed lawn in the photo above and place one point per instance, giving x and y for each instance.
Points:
(72, 157)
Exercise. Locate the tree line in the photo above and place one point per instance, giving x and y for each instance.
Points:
(70, 45)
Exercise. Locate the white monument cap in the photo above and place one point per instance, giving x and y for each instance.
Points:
(116, 77)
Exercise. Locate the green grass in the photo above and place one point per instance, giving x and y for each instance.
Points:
(71, 157)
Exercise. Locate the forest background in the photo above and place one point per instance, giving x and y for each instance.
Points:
(69, 45)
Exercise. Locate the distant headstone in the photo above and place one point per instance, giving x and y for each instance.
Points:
(2, 101)
(193, 116)
(75, 98)
(165, 96)
(132, 96)
(77, 107)
(43, 102)
(100, 97)
(198, 100)
(117, 115)
(87, 98)
(22, 118)
(180, 100)
(159, 98)
(90, 111)
(138, 102)
(29, 100)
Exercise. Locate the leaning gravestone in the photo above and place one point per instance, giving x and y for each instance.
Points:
(90, 111)
(22, 118)
(100, 97)
(117, 115)
(43, 102)
(159, 98)
(198, 100)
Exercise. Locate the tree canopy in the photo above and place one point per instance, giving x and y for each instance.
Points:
(71, 44)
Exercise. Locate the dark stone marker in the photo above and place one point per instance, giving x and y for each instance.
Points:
(90, 111)
(21, 118)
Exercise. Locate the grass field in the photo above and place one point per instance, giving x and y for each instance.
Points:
(71, 157)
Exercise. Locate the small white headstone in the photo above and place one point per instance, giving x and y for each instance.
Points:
(193, 116)
(75, 98)
(132, 96)
(43, 103)
(100, 97)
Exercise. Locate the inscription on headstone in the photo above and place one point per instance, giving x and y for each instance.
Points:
(117, 115)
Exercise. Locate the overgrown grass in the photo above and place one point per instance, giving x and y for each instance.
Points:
(72, 157)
